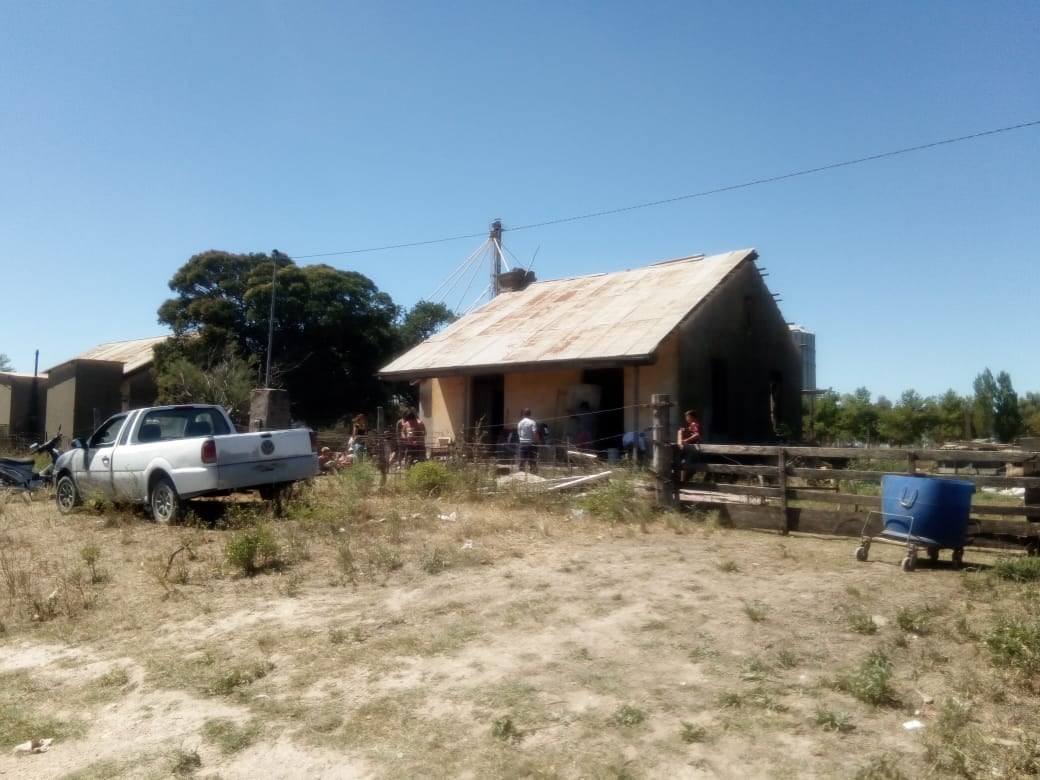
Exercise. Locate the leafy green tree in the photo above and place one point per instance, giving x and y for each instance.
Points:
(5, 363)
(225, 379)
(952, 417)
(422, 321)
(1029, 409)
(332, 329)
(906, 422)
(985, 387)
(1007, 417)
(858, 418)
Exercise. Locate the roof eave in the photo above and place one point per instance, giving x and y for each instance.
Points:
(518, 368)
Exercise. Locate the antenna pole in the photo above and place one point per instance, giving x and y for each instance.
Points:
(270, 323)
(495, 236)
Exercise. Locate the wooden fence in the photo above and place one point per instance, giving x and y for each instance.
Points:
(810, 489)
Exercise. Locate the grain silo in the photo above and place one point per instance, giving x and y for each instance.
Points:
(806, 343)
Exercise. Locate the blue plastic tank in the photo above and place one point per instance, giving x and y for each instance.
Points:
(926, 510)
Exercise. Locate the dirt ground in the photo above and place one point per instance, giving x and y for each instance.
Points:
(489, 643)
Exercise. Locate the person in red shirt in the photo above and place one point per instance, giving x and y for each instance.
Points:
(414, 433)
(689, 434)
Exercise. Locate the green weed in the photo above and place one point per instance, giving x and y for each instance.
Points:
(627, 715)
(185, 762)
(861, 623)
(229, 736)
(829, 720)
(1024, 569)
(756, 612)
(692, 732)
(914, 621)
(430, 479)
(504, 729)
(253, 550)
(870, 681)
(1014, 644)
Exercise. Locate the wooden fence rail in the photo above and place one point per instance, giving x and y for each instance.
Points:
(811, 489)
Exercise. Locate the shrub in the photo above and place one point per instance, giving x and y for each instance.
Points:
(627, 715)
(1015, 645)
(1018, 569)
(617, 502)
(869, 683)
(430, 478)
(360, 479)
(252, 550)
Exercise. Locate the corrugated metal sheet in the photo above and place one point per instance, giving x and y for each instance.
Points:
(132, 354)
(620, 316)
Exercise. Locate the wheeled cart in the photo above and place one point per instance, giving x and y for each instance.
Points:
(895, 535)
(924, 513)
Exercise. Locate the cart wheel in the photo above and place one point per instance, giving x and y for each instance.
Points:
(958, 557)
(933, 554)
(861, 553)
(909, 563)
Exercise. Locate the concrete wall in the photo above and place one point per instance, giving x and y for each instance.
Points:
(17, 393)
(6, 396)
(138, 389)
(446, 415)
(82, 394)
(642, 382)
(544, 392)
(732, 352)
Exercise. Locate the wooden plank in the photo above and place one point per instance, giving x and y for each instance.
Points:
(733, 489)
(986, 533)
(876, 453)
(701, 467)
(844, 499)
(979, 480)
(1016, 528)
(840, 474)
(1006, 509)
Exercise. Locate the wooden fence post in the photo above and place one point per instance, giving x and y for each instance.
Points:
(781, 472)
(662, 463)
(383, 457)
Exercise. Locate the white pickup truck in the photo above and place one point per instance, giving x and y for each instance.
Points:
(162, 455)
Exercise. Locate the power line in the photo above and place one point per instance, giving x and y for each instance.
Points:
(691, 196)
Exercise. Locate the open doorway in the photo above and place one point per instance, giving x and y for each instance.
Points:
(487, 410)
(610, 418)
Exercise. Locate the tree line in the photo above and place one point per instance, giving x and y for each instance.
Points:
(994, 412)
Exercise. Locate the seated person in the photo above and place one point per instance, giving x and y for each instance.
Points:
(629, 440)
(689, 435)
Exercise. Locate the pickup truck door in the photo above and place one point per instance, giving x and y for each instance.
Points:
(96, 477)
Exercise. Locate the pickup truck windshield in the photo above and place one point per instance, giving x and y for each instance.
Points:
(181, 423)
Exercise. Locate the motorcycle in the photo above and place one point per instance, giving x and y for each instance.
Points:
(19, 473)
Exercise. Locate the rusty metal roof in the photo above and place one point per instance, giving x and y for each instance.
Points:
(612, 317)
(132, 354)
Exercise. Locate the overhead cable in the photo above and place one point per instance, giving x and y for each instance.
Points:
(690, 196)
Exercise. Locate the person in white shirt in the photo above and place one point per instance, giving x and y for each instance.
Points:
(529, 437)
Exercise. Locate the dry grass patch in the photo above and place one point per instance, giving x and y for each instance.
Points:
(430, 629)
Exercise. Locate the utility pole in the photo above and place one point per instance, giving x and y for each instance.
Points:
(495, 237)
(270, 322)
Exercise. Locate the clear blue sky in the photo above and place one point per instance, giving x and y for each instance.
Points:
(135, 135)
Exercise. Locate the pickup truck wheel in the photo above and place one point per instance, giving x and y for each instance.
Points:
(66, 495)
(165, 503)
